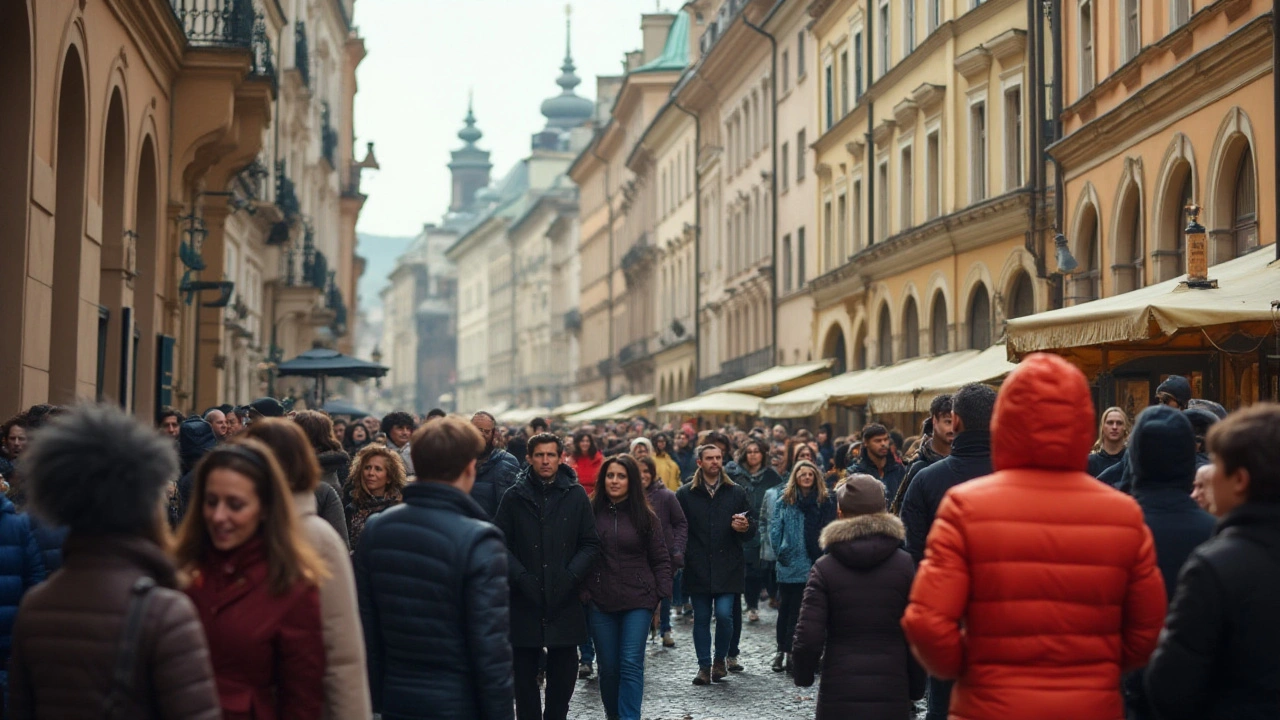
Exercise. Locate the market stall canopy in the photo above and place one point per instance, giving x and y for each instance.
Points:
(915, 394)
(498, 408)
(1246, 288)
(342, 407)
(855, 387)
(715, 403)
(318, 362)
(573, 408)
(778, 377)
(616, 409)
(522, 416)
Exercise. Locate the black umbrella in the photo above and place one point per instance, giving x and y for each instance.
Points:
(322, 363)
(342, 407)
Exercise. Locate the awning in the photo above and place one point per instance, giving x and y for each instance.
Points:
(522, 416)
(498, 408)
(855, 387)
(616, 409)
(1246, 287)
(915, 394)
(784, 377)
(715, 403)
(573, 408)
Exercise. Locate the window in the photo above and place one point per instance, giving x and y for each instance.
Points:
(885, 339)
(785, 165)
(1087, 280)
(882, 204)
(799, 55)
(1179, 14)
(935, 14)
(938, 325)
(910, 330)
(908, 26)
(856, 201)
(800, 279)
(786, 263)
(1132, 36)
(801, 151)
(831, 98)
(884, 36)
(1245, 207)
(907, 191)
(1013, 138)
(1086, 46)
(977, 152)
(933, 175)
(980, 319)
(844, 83)
(829, 249)
(1127, 264)
(842, 232)
(786, 70)
(857, 66)
(1021, 298)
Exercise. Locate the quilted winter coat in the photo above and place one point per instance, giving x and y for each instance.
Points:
(1052, 574)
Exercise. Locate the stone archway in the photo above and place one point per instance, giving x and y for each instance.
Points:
(112, 350)
(147, 283)
(67, 313)
(15, 157)
(834, 347)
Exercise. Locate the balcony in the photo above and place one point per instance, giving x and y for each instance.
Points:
(634, 352)
(264, 63)
(286, 199)
(328, 136)
(216, 23)
(738, 368)
(573, 320)
(301, 52)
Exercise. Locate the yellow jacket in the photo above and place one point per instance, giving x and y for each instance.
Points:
(668, 470)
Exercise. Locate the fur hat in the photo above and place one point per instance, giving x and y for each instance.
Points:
(98, 471)
(860, 494)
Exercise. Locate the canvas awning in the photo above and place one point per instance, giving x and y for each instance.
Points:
(914, 394)
(498, 408)
(573, 408)
(855, 387)
(715, 403)
(778, 377)
(1246, 287)
(521, 416)
(616, 409)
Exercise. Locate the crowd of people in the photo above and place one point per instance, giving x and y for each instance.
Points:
(1016, 558)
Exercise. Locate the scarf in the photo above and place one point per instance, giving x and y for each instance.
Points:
(807, 503)
(370, 507)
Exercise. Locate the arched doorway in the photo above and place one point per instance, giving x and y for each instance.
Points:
(112, 350)
(15, 158)
(68, 235)
(145, 285)
(834, 347)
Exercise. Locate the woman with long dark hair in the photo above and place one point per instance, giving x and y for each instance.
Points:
(355, 438)
(753, 458)
(586, 460)
(255, 583)
(799, 515)
(629, 582)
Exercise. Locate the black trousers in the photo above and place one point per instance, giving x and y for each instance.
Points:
(562, 674)
(755, 583)
(789, 597)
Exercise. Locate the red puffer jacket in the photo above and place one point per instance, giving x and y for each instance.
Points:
(1039, 585)
(587, 468)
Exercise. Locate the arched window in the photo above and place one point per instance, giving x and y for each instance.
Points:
(910, 330)
(884, 341)
(835, 348)
(980, 319)
(938, 325)
(1245, 216)
(1087, 281)
(1126, 266)
(1022, 300)
(1169, 259)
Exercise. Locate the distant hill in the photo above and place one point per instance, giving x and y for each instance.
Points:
(380, 253)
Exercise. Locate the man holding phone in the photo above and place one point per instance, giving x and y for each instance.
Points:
(719, 515)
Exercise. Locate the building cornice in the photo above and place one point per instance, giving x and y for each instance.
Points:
(158, 35)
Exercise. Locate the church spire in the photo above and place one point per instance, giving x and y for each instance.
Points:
(568, 109)
(568, 79)
(470, 134)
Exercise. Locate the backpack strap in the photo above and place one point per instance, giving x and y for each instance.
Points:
(122, 680)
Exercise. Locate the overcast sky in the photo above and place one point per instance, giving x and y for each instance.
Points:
(423, 57)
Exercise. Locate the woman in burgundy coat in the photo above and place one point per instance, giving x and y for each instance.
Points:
(254, 583)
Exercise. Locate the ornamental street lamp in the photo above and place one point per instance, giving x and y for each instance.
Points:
(1197, 251)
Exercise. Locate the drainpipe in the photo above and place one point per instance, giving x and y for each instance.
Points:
(1275, 122)
(872, 167)
(697, 240)
(1035, 181)
(608, 199)
(1055, 125)
(773, 179)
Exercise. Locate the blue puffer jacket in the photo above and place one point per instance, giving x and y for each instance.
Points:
(786, 532)
(494, 475)
(20, 569)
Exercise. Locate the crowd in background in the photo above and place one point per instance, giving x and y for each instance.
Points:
(1017, 557)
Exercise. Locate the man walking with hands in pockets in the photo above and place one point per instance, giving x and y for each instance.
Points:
(719, 515)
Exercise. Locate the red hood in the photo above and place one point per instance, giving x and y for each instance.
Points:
(1043, 417)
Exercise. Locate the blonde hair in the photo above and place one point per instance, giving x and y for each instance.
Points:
(1102, 425)
(792, 491)
(396, 479)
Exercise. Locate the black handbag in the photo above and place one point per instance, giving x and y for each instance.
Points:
(122, 688)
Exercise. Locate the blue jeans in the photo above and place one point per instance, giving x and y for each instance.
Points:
(677, 587)
(724, 606)
(620, 639)
(664, 615)
(587, 651)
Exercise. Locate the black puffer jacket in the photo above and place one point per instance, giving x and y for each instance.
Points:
(431, 576)
(494, 475)
(1217, 656)
(852, 609)
(552, 545)
(195, 440)
(926, 457)
(634, 570)
(756, 486)
(713, 559)
(891, 476)
(335, 465)
(970, 458)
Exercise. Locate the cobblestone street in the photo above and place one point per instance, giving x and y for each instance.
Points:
(757, 692)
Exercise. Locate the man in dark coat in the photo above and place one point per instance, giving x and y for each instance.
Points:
(970, 458)
(431, 575)
(877, 459)
(935, 444)
(1162, 455)
(195, 439)
(720, 521)
(496, 469)
(552, 545)
(1217, 656)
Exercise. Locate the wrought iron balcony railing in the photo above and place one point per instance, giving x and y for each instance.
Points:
(301, 53)
(286, 195)
(216, 23)
(328, 135)
(264, 63)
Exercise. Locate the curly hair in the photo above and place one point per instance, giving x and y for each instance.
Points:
(396, 479)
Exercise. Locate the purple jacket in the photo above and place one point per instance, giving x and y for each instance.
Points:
(633, 572)
(675, 528)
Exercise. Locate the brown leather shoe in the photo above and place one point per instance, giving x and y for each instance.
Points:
(733, 664)
(703, 677)
(718, 672)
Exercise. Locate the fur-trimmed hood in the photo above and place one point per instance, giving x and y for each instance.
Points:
(864, 541)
